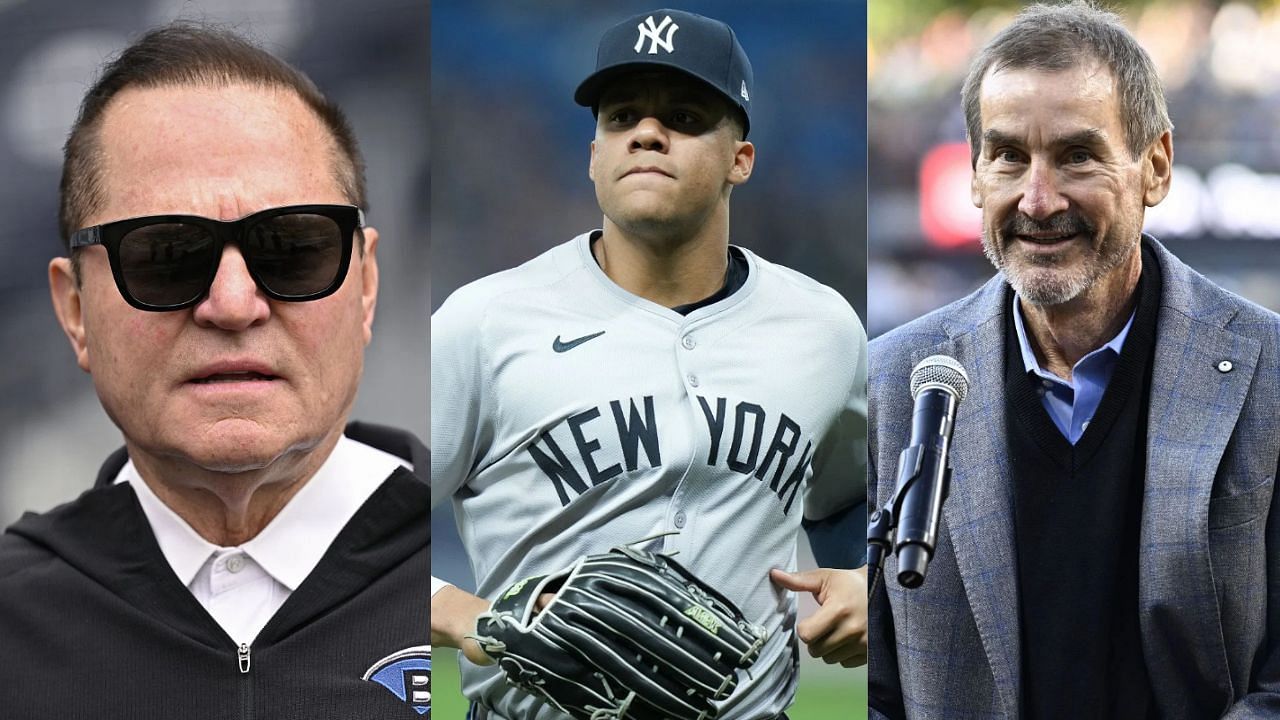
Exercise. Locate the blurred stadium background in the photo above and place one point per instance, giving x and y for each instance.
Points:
(373, 60)
(1222, 80)
(510, 166)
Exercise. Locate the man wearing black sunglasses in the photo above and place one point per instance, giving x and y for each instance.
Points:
(241, 556)
(168, 262)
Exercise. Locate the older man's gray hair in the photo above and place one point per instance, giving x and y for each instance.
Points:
(1059, 37)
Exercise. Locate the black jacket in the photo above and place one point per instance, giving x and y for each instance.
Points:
(95, 624)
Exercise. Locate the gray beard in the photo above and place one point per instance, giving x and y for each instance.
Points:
(1062, 286)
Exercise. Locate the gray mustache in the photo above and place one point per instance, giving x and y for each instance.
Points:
(1067, 223)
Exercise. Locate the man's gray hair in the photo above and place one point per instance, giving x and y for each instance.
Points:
(1059, 37)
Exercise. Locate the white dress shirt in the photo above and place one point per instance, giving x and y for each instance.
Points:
(242, 587)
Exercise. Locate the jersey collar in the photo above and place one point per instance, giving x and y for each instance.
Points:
(588, 261)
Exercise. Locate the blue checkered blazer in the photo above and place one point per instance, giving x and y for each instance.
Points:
(1209, 564)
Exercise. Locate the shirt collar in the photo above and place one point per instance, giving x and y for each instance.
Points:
(181, 545)
(1032, 365)
(291, 546)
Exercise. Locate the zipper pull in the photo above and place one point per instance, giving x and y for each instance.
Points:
(243, 653)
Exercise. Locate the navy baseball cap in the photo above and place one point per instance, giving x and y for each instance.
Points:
(697, 46)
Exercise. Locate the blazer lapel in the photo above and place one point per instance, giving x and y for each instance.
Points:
(979, 509)
(1200, 379)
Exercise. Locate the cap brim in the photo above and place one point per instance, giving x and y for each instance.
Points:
(588, 93)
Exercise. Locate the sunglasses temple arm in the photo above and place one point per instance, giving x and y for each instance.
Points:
(87, 236)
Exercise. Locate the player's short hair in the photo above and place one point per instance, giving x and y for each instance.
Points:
(1059, 37)
(739, 120)
(190, 54)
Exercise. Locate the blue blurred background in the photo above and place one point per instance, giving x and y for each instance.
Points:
(511, 151)
(1221, 71)
(373, 60)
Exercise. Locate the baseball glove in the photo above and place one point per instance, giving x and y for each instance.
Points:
(629, 635)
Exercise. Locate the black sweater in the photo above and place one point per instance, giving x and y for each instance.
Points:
(1077, 512)
(94, 623)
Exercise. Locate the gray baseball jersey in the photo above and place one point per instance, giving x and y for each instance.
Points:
(569, 416)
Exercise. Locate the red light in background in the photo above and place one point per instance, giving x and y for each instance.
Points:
(947, 216)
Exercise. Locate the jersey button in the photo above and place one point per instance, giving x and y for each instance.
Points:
(693, 380)
(688, 342)
(680, 519)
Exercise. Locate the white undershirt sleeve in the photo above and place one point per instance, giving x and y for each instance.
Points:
(437, 585)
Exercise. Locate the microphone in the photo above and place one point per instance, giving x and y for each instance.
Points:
(938, 384)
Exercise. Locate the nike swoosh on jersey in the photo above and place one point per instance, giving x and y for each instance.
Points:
(560, 346)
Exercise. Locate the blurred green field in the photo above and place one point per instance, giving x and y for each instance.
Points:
(826, 693)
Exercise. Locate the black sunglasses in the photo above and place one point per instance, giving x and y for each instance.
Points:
(168, 262)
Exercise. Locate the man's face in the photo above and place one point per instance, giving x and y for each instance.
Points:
(238, 380)
(1062, 199)
(665, 153)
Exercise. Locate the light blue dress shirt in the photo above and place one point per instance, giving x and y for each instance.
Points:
(1072, 403)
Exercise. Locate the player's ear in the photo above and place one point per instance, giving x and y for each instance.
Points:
(975, 179)
(975, 188)
(591, 165)
(65, 292)
(369, 280)
(744, 159)
(1157, 171)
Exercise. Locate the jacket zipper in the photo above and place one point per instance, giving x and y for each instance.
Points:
(244, 658)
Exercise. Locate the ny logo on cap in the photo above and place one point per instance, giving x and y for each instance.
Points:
(649, 30)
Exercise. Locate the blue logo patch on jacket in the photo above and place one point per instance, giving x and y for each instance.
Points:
(407, 674)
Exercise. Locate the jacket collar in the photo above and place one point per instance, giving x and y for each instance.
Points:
(104, 535)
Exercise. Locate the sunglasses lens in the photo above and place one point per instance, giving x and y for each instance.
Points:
(167, 264)
(296, 255)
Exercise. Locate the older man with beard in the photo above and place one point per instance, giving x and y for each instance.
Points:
(1109, 547)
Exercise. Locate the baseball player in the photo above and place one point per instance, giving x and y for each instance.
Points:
(650, 380)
